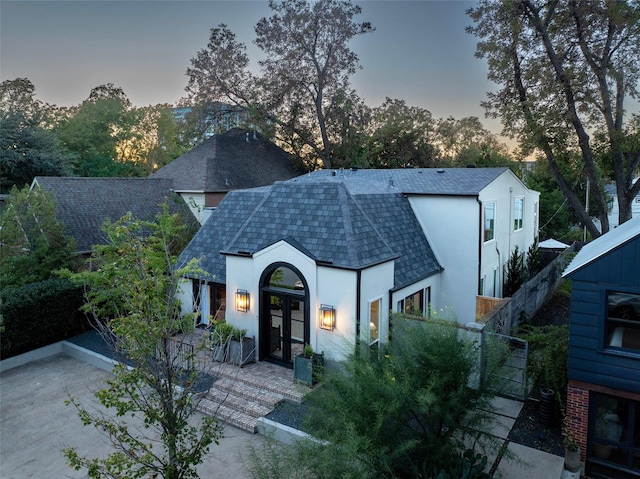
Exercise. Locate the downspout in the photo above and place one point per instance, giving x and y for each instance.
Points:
(510, 218)
(499, 271)
(481, 237)
(390, 316)
(358, 308)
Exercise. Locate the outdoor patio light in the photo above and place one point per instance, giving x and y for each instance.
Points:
(327, 317)
(242, 300)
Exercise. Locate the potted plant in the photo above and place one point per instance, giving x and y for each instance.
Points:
(307, 366)
(219, 338)
(241, 347)
(571, 450)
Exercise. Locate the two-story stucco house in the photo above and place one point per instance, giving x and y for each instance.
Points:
(323, 258)
(603, 395)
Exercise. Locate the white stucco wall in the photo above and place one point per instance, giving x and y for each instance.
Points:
(375, 283)
(451, 225)
(195, 201)
(495, 253)
(454, 227)
(330, 286)
(184, 294)
(337, 288)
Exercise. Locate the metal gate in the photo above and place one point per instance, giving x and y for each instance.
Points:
(504, 365)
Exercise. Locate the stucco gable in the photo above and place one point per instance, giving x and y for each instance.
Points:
(324, 218)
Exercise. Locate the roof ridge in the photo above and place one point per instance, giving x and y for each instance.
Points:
(249, 219)
(353, 251)
(209, 167)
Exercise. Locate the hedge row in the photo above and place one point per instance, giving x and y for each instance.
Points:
(39, 314)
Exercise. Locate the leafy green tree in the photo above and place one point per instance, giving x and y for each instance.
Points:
(401, 136)
(33, 243)
(28, 145)
(305, 71)
(93, 131)
(131, 300)
(565, 70)
(154, 141)
(400, 411)
(557, 220)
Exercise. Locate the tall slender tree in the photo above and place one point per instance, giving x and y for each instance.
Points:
(153, 394)
(304, 80)
(566, 69)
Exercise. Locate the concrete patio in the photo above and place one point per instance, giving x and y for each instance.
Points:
(35, 425)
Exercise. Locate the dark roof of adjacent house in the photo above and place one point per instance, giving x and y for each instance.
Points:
(324, 220)
(236, 159)
(83, 204)
(604, 244)
(416, 181)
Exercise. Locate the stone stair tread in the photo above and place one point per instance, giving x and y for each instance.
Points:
(229, 415)
(286, 388)
(247, 391)
(239, 403)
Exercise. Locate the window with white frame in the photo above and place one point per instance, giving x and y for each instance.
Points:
(518, 213)
(489, 220)
(374, 320)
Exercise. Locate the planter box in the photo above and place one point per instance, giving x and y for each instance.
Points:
(305, 370)
(242, 352)
(220, 352)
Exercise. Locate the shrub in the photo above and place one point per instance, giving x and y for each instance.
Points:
(39, 314)
(548, 356)
(400, 410)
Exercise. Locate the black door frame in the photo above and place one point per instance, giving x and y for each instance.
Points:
(287, 295)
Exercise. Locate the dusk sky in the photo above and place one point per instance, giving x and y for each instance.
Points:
(419, 52)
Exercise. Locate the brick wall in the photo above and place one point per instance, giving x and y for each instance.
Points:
(577, 416)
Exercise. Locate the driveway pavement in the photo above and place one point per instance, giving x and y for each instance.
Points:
(35, 423)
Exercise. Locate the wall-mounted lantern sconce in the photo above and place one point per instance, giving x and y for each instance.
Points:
(242, 300)
(327, 317)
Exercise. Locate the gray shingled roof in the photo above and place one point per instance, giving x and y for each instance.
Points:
(418, 181)
(227, 162)
(83, 204)
(324, 220)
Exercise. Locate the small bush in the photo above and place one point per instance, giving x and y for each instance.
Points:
(39, 314)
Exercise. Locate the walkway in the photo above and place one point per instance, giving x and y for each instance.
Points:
(515, 461)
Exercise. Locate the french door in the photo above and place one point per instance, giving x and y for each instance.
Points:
(284, 326)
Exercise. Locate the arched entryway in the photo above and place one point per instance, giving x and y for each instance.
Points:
(284, 313)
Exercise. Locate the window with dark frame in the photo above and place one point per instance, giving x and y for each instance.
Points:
(614, 437)
(489, 220)
(622, 324)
